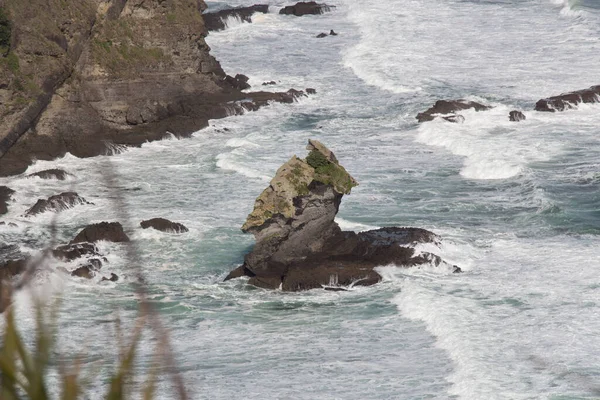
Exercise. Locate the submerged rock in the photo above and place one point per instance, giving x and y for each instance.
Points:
(569, 100)
(304, 8)
(214, 21)
(58, 202)
(322, 35)
(85, 271)
(269, 83)
(70, 252)
(516, 116)
(109, 231)
(11, 268)
(299, 246)
(444, 107)
(57, 174)
(5, 196)
(164, 225)
(113, 278)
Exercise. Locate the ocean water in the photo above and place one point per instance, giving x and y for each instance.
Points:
(517, 205)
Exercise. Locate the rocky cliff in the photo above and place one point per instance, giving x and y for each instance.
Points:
(77, 74)
(299, 246)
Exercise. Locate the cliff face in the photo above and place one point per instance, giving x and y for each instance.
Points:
(80, 73)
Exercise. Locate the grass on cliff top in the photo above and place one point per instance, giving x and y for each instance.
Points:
(330, 173)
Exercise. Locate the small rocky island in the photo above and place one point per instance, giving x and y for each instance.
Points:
(299, 246)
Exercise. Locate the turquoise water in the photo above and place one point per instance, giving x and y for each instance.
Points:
(517, 205)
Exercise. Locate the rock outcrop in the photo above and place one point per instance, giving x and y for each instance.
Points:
(109, 231)
(5, 195)
(79, 78)
(305, 8)
(516, 116)
(164, 225)
(57, 174)
(70, 252)
(215, 21)
(299, 246)
(59, 202)
(442, 108)
(239, 81)
(569, 100)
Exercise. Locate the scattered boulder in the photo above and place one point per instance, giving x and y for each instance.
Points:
(85, 271)
(70, 252)
(113, 278)
(215, 21)
(12, 268)
(311, 91)
(304, 8)
(269, 83)
(58, 202)
(456, 118)
(164, 225)
(58, 174)
(322, 35)
(299, 246)
(569, 100)
(444, 107)
(332, 33)
(11, 224)
(109, 231)
(239, 81)
(516, 116)
(5, 196)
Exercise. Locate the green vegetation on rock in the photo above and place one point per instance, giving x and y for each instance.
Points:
(330, 173)
(5, 32)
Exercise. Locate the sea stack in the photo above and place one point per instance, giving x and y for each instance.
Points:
(299, 246)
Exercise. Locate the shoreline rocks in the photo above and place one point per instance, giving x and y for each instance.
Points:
(109, 231)
(569, 100)
(299, 246)
(516, 116)
(442, 108)
(305, 8)
(5, 196)
(57, 174)
(59, 202)
(164, 225)
(215, 21)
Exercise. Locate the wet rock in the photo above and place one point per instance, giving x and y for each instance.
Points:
(322, 35)
(12, 268)
(332, 33)
(239, 81)
(269, 83)
(456, 269)
(109, 231)
(457, 119)
(11, 224)
(304, 8)
(113, 278)
(5, 196)
(58, 202)
(569, 100)
(311, 91)
(214, 21)
(70, 252)
(516, 116)
(85, 271)
(57, 174)
(299, 246)
(164, 225)
(444, 107)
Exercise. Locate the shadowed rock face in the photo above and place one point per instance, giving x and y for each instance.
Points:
(569, 100)
(57, 174)
(5, 195)
(299, 246)
(164, 225)
(305, 8)
(443, 107)
(214, 21)
(109, 231)
(58, 202)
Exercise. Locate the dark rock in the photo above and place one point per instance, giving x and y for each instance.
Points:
(214, 21)
(516, 116)
(239, 272)
(456, 118)
(299, 246)
(58, 174)
(304, 8)
(269, 83)
(569, 100)
(332, 33)
(12, 268)
(109, 231)
(70, 252)
(58, 202)
(456, 269)
(85, 271)
(164, 225)
(5, 196)
(113, 278)
(442, 107)
(311, 91)
(11, 224)
(322, 35)
(238, 82)
(335, 289)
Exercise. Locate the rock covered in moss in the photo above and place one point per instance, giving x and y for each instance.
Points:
(299, 246)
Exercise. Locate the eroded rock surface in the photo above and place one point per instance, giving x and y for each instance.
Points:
(299, 246)
(214, 21)
(305, 8)
(164, 225)
(109, 231)
(442, 108)
(569, 100)
(58, 202)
